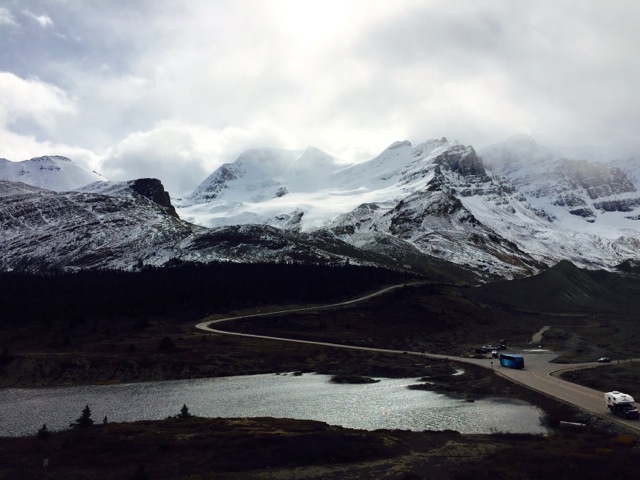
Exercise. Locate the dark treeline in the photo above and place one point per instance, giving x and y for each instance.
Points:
(185, 291)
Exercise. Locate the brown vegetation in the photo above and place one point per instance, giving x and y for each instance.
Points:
(193, 448)
(447, 319)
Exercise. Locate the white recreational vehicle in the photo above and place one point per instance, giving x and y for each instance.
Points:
(621, 404)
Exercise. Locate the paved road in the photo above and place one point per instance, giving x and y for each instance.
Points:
(539, 373)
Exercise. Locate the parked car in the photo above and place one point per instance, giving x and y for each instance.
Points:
(603, 360)
(490, 348)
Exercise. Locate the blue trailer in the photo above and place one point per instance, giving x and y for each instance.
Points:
(511, 361)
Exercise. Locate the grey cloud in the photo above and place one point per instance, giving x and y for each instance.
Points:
(7, 18)
(434, 32)
(563, 71)
(44, 21)
(568, 63)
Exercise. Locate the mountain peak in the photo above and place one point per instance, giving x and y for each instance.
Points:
(266, 173)
(50, 158)
(462, 160)
(399, 144)
(52, 172)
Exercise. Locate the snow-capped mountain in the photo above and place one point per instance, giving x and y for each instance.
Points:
(266, 186)
(303, 190)
(55, 173)
(510, 210)
(436, 198)
(259, 175)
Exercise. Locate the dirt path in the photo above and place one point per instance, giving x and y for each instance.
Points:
(537, 337)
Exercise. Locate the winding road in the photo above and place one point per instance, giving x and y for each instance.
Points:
(539, 373)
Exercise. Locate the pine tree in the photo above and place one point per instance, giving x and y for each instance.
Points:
(85, 420)
(43, 432)
(184, 412)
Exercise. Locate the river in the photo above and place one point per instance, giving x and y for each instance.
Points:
(388, 404)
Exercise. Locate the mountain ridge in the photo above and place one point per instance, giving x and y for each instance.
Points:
(510, 210)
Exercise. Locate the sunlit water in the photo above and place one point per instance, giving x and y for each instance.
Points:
(388, 404)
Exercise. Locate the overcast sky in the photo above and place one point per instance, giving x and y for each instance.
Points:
(172, 89)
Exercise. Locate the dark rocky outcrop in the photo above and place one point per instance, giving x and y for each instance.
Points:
(153, 189)
(598, 180)
(626, 205)
(462, 160)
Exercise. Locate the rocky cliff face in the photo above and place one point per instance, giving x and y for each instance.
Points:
(153, 189)
(582, 188)
(462, 160)
(580, 183)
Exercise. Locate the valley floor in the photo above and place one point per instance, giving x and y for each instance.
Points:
(436, 319)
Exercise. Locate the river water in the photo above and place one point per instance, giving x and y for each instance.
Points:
(388, 404)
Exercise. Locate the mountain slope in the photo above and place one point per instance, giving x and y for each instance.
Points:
(444, 207)
(41, 230)
(565, 287)
(50, 172)
(133, 227)
(435, 198)
(45, 229)
(575, 192)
